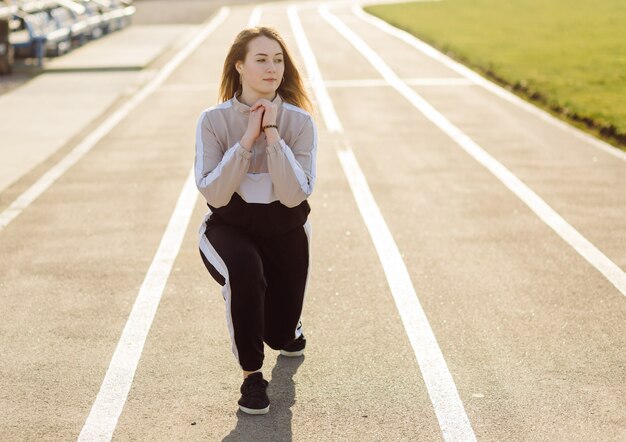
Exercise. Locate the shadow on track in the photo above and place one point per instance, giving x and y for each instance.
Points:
(276, 425)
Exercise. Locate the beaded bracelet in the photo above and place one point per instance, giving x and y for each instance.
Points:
(270, 125)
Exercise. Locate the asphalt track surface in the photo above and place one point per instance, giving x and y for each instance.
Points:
(467, 279)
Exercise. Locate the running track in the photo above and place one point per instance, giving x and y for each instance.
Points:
(468, 262)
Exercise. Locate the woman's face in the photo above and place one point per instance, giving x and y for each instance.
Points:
(262, 70)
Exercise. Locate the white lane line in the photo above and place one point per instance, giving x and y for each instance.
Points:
(453, 421)
(486, 84)
(255, 17)
(107, 407)
(331, 119)
(111, 398)
(379, 82)
(48, 178)
(451, 415)
(548, 215)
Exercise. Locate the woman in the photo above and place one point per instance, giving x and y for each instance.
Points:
(255, 166)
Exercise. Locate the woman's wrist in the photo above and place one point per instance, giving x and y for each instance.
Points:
(271, 134)
(246, 143)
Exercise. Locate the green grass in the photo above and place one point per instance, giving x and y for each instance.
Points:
(567, 55)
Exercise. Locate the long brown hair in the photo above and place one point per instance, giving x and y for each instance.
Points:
(291, 90)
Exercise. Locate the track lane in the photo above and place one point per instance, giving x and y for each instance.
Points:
(532, 350)
(549, 216)
(109, 211)
(442, 391)
(578, 180)
(497, 398)
(355, 373)
(483, 269)
(487, 85)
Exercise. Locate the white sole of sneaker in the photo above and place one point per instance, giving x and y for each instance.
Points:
(255, 411)
(292, 354)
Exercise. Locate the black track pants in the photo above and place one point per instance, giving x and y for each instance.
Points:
(263, 282)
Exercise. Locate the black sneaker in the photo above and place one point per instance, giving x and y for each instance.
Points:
(254, 398)
(296, 348)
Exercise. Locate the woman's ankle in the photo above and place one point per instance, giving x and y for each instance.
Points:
(248, 373)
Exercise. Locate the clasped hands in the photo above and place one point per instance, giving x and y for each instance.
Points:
(262, 113)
